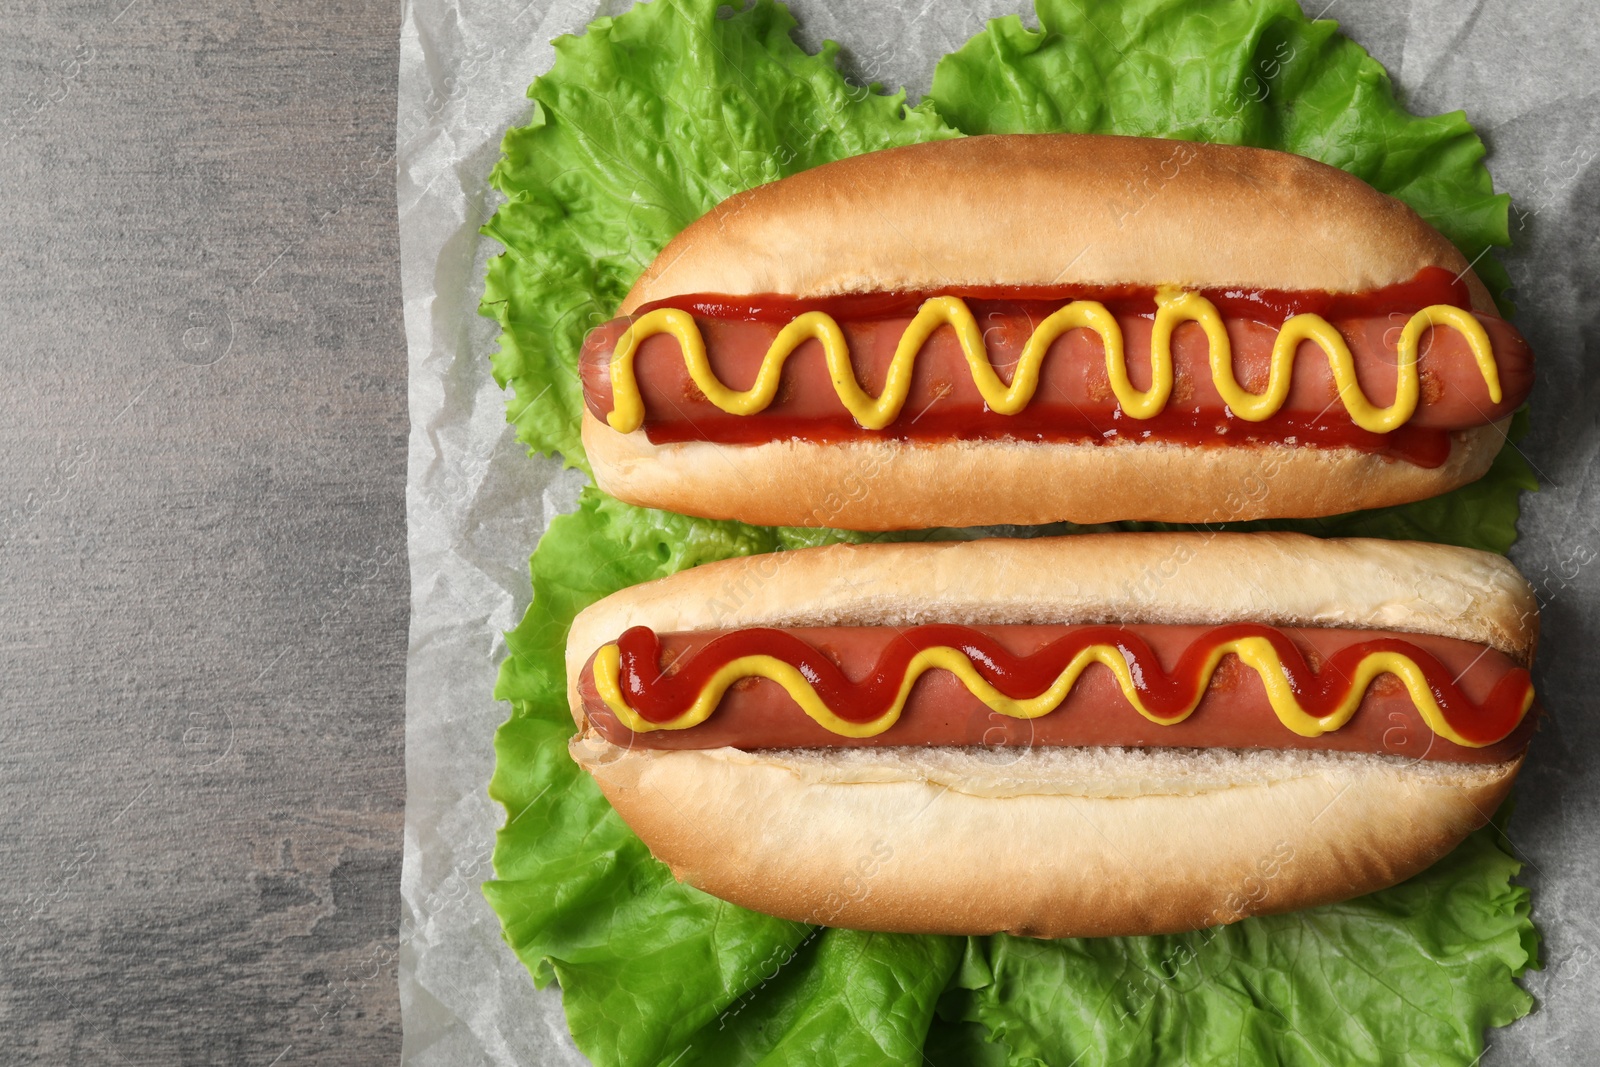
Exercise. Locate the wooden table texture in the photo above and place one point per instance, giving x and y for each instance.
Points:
(203, 582)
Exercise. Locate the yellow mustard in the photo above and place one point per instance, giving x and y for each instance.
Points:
(1256, 653)
(1173, 308)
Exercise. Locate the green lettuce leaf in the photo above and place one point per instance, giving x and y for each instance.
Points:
(651, 969)
(1409, 975)
(1257, 73)
(642, 124)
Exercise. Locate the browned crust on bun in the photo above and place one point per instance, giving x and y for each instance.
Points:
(917, 855)
(1063, 842)
(878, 484)
(1054, 209)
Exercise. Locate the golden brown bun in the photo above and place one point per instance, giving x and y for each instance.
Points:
(1071, 841)
(1278, 579)
(1039, 209)
(907, 853)
(874, 484)
(1054, 209)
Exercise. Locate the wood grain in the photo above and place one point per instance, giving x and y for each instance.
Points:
(203, 584)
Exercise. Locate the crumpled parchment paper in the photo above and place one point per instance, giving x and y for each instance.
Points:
(476, 503)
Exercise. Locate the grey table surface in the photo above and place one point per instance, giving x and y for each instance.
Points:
(203, 580)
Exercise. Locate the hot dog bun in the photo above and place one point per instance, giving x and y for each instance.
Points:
(895, 485)
(1038, 210)
(1064, 842)
(1046, 209)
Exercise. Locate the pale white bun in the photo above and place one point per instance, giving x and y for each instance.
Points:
(1062, 842)
(1041, 209)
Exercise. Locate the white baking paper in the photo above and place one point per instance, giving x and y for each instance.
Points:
(476, 503)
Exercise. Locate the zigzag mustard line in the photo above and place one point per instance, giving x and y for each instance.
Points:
(1174, 307)
(1256, 653)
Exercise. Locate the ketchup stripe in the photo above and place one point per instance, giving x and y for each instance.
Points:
(659, 697)
(1432, 285)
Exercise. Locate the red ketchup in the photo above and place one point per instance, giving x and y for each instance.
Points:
(858, 671)
(1074, 402)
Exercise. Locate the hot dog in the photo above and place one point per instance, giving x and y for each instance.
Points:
(967, 332)
(759, 713)
(1060, 737)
